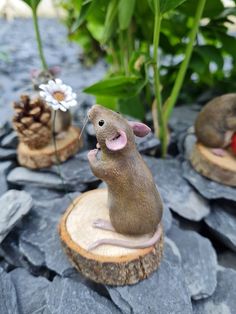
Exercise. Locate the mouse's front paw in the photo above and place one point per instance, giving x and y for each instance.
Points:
(92, 155)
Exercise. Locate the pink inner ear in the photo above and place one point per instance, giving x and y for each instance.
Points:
(139, 129)
(118, 142)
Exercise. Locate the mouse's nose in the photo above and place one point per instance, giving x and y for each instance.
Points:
(93, 111)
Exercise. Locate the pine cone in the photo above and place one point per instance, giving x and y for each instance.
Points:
(32, 121)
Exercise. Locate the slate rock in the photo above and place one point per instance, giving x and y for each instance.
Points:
(147, 143)
(177, 194)
(222, 222)
(33, 254)
(223, 301)
(10, 251)
(76, 171)
(186, 141)
(7, 154)
(227, 259)
(199, 262)
(10, 140)
(4, 169)
(8, 300)
(163, 292)
(23, 176)
(30, 291)
(167, 219)
(207, 188)
(66, 296)
(183, 117)
(40, 230)
(42, 194)
(14, 205)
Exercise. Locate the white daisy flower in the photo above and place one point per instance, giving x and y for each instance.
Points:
(58, 95)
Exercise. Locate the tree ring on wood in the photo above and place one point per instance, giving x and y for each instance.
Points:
(216, 168)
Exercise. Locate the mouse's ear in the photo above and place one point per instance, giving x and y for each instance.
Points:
(117, 143)
(139, 129)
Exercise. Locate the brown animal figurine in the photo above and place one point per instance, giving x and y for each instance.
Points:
(216, 123)
(135, 206)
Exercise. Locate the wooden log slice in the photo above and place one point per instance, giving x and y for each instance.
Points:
(219, 169)
(45, 157)
(106, 264)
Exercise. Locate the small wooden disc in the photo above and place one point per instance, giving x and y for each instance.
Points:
(106, 264)
(45, 157)
(219, 169)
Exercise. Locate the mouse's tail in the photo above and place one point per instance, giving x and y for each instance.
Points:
(129, 244)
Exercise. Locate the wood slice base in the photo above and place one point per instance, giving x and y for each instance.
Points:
(45, 157)
(219, 169)
(106, 264)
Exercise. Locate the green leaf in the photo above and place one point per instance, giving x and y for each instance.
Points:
(82, 16)
(119, 86)
(125, 13)
(211, 53)
(165, 5)
(110, 20)
(33, 4)
(132, 107)
(212, 8)
(107, 101)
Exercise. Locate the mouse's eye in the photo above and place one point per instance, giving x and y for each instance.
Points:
(101, 122)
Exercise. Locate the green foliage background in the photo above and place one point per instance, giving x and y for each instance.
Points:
(122, 31)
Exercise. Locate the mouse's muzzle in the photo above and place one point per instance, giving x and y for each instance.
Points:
(93, 112)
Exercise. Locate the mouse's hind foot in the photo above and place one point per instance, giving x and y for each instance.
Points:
(220, 152)
(103, 224)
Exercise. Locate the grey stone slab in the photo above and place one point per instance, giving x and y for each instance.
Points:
(163, 292)
(14, 205)
(23, 176)
(222, 222)
(199, 261)
(167, 219)
(227, 259)
(42, 194)
(30, 291)
(183, 117)
(10, 140)
(66, 296)
(7, 154)
(207, 188)
(8, 300)
(223, 301)
(40, 230)
(33, 254)
(177, 194)
(76, 171)
(4, 170)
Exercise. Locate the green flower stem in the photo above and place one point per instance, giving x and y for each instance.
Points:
(162, 129)
(183, 68)
(38, 38)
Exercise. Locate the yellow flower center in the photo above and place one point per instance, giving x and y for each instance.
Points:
(59, 96)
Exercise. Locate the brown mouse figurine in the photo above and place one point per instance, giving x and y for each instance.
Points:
(216, 123)
(135, 206)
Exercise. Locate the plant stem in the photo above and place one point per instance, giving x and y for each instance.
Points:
(184, 65)
(161, 130)
(38, 39)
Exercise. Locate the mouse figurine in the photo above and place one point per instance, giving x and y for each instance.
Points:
(216, 123)
(135, 206)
